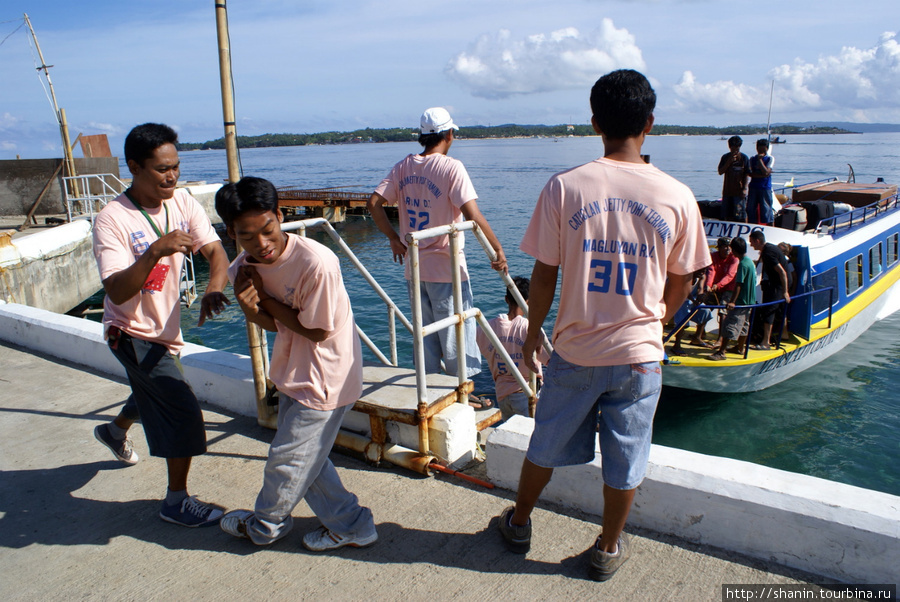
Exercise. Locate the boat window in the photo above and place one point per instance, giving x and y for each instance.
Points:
(892, 250)
(875, 266)
(853, 269)
(827, 279)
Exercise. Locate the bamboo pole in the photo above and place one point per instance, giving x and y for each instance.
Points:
(266, 416)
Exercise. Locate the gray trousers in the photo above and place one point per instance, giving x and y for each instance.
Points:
(298, 468)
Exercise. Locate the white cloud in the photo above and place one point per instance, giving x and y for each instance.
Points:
(853, 80)
(498, 66)
(8, 146)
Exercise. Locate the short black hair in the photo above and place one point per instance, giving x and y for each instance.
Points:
(757, 234)
(143, 140)
(621, 102)
(739, 246)
(247, 194)
(523, 284)
(735, 141)
(433, 139)
(762, 141)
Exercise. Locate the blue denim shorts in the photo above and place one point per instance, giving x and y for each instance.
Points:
(578, 402)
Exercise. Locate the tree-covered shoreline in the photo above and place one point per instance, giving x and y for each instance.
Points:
(368, 135)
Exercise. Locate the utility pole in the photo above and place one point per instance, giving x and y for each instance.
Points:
(60, 113)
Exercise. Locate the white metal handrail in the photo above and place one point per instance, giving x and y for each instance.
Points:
(80, 199)
(416, 328)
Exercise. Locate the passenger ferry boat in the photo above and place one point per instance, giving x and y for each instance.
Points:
(846, 259)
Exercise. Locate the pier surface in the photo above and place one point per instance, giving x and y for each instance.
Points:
(74, 523)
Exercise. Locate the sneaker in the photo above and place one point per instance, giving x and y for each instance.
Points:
(122, 450)
(325, 539)
(190, 512)
(235, 523)
(517, 537)
(605, 565)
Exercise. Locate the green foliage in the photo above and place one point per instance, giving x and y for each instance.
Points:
(496, 131)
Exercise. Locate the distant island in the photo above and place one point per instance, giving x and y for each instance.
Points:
(495, 131)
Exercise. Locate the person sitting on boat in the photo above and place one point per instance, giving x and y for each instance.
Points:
(735, 326)
(759, 197)
(140, 241)
(774, 285)
(432, 189)
(720, 276)
(292, 285)
(735, 166)
(687, 315)
(510, 329)
(604, 373)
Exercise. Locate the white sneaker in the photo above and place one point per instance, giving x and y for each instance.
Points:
(235, 523)
(325, 539)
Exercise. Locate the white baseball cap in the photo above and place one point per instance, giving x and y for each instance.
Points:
(436, 120)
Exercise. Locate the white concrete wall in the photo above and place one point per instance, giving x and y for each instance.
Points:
(830, 529)
(220, 378)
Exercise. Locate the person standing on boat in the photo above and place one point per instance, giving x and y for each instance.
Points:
(736, 325)
(140, 240)
(432, 189)
(627, 239)
(759, 198)
(774, 284)
(735, 166)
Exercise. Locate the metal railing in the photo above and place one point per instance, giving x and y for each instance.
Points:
(416, 327)
(857, 217)
(89, 193)
(753, 311)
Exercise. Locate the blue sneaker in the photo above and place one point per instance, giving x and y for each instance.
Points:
(190, 512)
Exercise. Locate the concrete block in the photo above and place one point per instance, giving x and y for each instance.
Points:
(842, 532)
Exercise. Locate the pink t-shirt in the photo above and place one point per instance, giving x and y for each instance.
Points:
(512, 336)
(307, 277)
(429, 191)
(615, 229)
(121, 235)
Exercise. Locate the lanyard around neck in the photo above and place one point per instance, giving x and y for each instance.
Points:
(144, 212)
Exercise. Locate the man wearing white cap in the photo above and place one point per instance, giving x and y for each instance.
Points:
(431, 189)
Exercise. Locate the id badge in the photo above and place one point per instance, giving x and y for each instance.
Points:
(157, 278)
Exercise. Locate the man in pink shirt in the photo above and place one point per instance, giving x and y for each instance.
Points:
(510, 329)
(292, 286)
(140, 240)
(627, 239)
(432, 189)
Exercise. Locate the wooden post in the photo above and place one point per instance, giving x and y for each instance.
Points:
(266, 415)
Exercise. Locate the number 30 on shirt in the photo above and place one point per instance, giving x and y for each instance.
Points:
(604, 274)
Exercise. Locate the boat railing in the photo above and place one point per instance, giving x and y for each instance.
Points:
(754, 309)
(782, 189)
(857, 217)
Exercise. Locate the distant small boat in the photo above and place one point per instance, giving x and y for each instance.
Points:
(777, 140)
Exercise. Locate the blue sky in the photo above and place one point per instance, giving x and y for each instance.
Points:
(309, 66)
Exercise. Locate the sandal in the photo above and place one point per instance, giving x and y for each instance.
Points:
(702, 343)
(480, 403)
(761, 347)
(718, 356)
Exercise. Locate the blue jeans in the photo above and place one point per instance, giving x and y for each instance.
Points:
(437, 304)
(759, 206)
(298, 468)
(734, 208)
(578, 401)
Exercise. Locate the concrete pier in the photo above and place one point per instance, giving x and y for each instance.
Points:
(76, 524)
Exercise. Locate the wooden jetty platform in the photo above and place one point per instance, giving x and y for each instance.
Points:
(331, 203)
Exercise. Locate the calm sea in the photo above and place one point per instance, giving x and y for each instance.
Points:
(839, 420)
